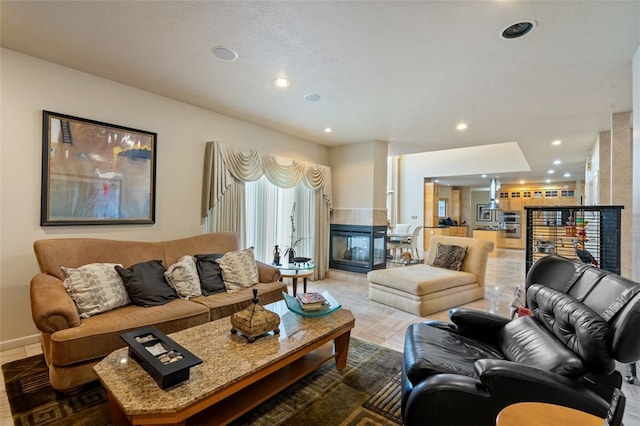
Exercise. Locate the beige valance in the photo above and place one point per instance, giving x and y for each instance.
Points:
(224, 163)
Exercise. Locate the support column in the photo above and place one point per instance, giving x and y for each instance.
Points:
(604, 172)
(622, 182)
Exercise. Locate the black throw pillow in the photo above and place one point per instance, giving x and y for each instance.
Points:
(146, 285)
(209, 273)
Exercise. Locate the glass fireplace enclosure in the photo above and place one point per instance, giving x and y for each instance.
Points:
(357, 248)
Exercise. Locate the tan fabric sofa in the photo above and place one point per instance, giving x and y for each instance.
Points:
(423, 289)
(72, 346)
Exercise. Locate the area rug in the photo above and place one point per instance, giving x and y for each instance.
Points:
(367, 392)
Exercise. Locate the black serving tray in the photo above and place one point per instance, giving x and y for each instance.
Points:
(166, 374)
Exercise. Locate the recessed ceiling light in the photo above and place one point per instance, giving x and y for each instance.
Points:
(551, 171)
(461, 126)
(282, 82)
(484, 176)
(517, 30)
(548, 181)
(521, 182)
(328, 130)
(557, 162)
(437, 180)
(567, 174)
(312, 97)
(556, 142)
(224, 53)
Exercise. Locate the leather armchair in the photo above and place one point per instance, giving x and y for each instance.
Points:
(464, 372)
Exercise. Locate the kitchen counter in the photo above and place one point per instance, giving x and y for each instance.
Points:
(496, 236)
(453, 231)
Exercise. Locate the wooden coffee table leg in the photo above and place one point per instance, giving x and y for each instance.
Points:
(341, 348)
(118, 417)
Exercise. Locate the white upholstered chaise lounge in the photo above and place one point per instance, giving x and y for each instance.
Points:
(423, 289)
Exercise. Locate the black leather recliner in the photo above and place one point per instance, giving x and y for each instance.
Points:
(466, 371)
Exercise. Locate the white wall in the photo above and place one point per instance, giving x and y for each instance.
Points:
(28, 86)
(361, 169)
(591, 175)
(635, 231)
(411, 191)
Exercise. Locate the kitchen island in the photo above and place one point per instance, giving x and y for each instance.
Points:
(496, 236)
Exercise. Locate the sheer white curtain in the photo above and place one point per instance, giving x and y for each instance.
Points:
(268, 218)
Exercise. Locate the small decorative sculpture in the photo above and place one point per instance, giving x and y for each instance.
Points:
(290, 252)
(255, 321)
(291, 255)
(276, 256)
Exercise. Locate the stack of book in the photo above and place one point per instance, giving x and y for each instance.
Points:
(312, 301)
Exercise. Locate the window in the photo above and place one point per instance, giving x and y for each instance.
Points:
(442, 208)
(268, 219)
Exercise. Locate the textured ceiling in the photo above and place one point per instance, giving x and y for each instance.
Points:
(402, 72)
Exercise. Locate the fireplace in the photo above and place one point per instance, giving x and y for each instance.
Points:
(358, 248)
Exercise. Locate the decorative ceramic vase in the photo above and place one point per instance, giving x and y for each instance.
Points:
(276, 256)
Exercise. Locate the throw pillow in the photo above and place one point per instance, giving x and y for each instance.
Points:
(146, 285)
(449, 256)
(239, 270)
(183, 278)
(209, 273)
(95, 288)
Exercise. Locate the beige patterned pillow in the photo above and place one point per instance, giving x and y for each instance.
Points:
(239, 269)
(95, 288)
(450, 257)
(183, 278)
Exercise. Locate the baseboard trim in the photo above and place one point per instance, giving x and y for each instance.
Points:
(19, 342)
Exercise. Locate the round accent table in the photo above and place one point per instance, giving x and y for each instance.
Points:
(538, 413)
(297, 271)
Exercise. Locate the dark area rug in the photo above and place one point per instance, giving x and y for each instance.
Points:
(34, 402)
(366, 392)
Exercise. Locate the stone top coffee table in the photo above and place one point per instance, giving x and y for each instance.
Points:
(235, 376)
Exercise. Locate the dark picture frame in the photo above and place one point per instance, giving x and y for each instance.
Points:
(483, 214)
(96, 173)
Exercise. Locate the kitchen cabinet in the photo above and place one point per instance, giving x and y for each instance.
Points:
(513, 243)
(515, 204)
(429, 232)
(455, 210)
(459, 231)
(453, 231)
(431, 200)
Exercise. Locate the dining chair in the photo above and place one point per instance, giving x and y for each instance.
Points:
(397, 237)
(411, 243)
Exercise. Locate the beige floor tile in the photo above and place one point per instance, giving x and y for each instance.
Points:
(12, 355)
(33, 349)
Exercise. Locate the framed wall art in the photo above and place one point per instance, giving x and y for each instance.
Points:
(96, 173)
(483, 214)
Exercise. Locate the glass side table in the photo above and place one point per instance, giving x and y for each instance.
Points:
(295, 271)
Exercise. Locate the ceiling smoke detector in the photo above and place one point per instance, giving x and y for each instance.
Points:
(517, 30)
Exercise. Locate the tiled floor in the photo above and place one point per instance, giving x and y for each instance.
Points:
(384, 325)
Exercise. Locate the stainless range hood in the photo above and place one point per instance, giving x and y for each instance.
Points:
(493, 192)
